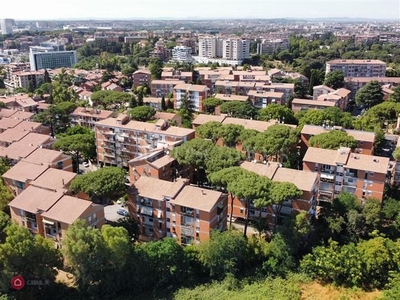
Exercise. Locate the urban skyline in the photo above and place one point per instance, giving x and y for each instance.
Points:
(177, 9)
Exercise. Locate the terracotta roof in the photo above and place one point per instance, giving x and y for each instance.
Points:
(227, 83)
(167, 82)
(5, 112)
(12, 135)
(6, 123)
(369, 79)
(191, 87)
(163, 161)
(152, 100)
(28, 126)
(197, 198)
(68, 209)
(157, 189)
(263, 94)
(313, 102)
(165, 115)
(142, 71)
(229, 97)
(91, 112)
(326, 156)
(369, 163)
(26, 102)
(303, 180)
(44, 156)
(359, 135)
(24, 171)
(25, 146)
(249, 72)
(267, 170)
(33, 199)
(323, 87)
(253, 124)
(342, 92)
(54, 179)
(356, 61)
(202, 119)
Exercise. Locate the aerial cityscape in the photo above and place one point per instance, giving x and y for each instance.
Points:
(224, 150)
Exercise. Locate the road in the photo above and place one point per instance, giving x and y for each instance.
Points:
(110, 212)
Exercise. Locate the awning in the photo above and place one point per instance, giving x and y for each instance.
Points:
(48, 222)
(327, 176)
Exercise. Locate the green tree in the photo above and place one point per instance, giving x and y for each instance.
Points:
(163, 104)
(225, 252)
(333, 139)
(230, 134)
(27, 255)
(210, 130)
(155, 68)
(225, 177)
(334, 79)
(5, 222)
(222, 158)
(211, 103)
(277, 112)
(370, 94)
(101, 184)
(57, 116)
(239, 109)
(186, 110)
(142, 113)
(195, 153)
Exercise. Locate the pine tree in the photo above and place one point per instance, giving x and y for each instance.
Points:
(163, 104)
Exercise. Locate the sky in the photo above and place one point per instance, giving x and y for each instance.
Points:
(204, 9)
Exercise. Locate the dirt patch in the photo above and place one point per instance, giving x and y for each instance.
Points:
(316, 291)
(65, 278)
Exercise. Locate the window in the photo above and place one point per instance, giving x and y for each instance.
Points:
(371, 174)
(241, 210)
(60, 165)
(151, 220)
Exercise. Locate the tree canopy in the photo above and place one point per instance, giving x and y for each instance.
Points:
(211, 103)
(370, 94)
(333, 139)
(142, 113)
(277, 112)
(335, 79)
(101, 184)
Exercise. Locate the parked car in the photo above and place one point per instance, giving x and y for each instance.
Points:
(123, 212)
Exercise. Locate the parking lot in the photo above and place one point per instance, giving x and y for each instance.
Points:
(110, 212)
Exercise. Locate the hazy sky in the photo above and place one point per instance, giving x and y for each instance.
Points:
(123, 9)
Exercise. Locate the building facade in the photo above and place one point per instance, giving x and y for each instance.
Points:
(357, 67)
(46, 58)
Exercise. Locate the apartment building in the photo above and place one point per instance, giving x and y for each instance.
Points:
(194, 93)
(343, 171)
(307, 182)
(26, 80)
(182, 54)
(357, 67)
(46, 58)
(187, 77)
(354, 84)
(87, 117)
(230, 97)
(261, 99)
(175, 209)
(50, 213)
(119, 140)
(52, 158)
(235, 49)
(286, 88)
(20, 102)
(365, 139)
(6, 26)
(25, 146)
(306, 104)
(210, 46)
(161, 88)
(271, 46)
(319, 90)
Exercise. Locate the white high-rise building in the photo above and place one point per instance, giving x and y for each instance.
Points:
(235, 49)
(210, 47)
(182, 54)
(6, 26)
(46, 58)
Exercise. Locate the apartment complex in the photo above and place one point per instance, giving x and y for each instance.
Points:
(235, 49)
(119, 140)
(141, 77)
(182, 54)
(194, 93)
(175, 209)
(210, 46)
(354, 84)
(26, 80)
(357, 67)
(87, 117)
(343, 171)
(161, 88)
(6, 26)
(271, 46)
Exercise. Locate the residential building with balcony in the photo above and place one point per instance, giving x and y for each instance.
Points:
(161, 88)
(305, 181)
(194, 93)
(141, 77)
(319, 90)
(286, 88)
(271, 46)
(182, 54)
(357, 67)
(50, 213)
(187, 77)
(87, 117)
(365, 139)
(307, 104)
(210, 46)
(343, 171)
(262, 99)
(231, 97)
(356, 83)
(175, 209)
(119, 140)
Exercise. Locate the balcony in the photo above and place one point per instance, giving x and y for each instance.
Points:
(108, 154)
(146, 202)
(350, 182)
(328, 171)
(325, 186)
(187, 212)
(187, 230)
(325, 196)
(109, 133)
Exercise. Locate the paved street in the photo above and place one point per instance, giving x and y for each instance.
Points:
(110, 212)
